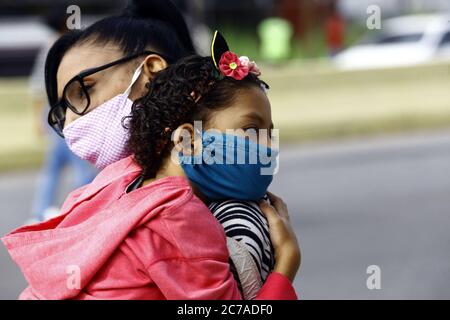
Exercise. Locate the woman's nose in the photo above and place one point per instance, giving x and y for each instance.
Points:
(70, 117)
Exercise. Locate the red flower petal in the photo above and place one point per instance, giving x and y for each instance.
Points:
(227, 59)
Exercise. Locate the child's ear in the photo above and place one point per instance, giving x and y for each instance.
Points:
(186, 140)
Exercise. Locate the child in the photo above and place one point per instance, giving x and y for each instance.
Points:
(247, 230)
(142, 230)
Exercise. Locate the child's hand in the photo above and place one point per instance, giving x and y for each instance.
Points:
(285, 243)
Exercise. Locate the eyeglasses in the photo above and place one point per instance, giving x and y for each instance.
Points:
(76, 93)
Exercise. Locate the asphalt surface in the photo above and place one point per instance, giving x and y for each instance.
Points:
(381, 201)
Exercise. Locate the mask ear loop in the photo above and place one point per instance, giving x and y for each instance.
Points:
(197, 130)
(136, 76)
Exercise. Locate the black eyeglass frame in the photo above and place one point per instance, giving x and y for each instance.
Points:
(63, 103)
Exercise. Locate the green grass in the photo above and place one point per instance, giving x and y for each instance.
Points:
(310, 101)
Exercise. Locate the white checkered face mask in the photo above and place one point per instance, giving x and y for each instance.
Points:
(100, 136)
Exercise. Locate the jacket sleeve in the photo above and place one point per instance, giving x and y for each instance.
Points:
(194, 261)
(202, 279)
(277, 287)
(208, 279)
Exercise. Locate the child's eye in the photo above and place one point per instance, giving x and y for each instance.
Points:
(252, 133)
(251, 129)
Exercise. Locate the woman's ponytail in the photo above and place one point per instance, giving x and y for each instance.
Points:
(163, 10)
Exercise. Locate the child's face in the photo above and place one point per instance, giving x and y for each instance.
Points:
(251, 111)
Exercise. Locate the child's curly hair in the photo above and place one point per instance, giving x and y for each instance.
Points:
(187, 91)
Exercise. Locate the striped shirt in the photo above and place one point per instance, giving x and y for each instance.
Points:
(245, 223)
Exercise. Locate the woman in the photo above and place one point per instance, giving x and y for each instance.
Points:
(130, 49)
(160, 240)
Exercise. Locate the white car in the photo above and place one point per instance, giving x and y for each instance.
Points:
(402, 41)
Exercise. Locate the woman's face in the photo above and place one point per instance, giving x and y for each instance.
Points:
(108, 83)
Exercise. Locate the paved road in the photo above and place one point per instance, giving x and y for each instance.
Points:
(383, 201)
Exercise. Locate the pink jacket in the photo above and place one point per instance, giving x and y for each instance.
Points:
(157, 242)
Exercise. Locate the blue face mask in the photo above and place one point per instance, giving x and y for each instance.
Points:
(231, 167)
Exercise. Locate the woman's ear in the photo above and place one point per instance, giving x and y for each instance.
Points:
(152, 65)
(186, 140)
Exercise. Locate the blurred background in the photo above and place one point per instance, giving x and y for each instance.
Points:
(360, 91)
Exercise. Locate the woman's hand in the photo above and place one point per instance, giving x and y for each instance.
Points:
(284, 241)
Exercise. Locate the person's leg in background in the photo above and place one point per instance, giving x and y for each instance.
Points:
(55, 161)
(82, 171)
(58, 157)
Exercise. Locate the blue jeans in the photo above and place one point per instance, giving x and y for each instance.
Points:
(57, 158)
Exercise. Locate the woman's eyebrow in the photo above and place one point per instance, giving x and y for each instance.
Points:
(89, 78)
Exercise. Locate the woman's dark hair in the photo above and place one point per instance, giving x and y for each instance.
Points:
(56, 17)
(53, 61)
(157, 24)
(187, 91)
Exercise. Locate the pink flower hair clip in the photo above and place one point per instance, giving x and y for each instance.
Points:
(236, 67)
(228, 63)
